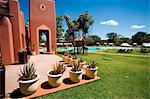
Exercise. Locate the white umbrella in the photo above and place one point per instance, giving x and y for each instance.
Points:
(125, 45)
(110, 44)
(146, 44)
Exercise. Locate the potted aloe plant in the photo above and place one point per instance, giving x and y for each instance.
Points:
(82, 62)
(28, 79)
(73, 60)
(55, 76)
(76, 73)
(91, 69)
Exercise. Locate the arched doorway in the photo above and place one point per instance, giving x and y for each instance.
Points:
(44, 41)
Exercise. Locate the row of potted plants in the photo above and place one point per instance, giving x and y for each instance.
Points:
(29, 80)
(72, 60)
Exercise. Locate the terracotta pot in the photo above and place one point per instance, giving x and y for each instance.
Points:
(91, 73)
(82, 63)
(67, 60)
(75, 76)
(33, 52)
(63, 57)
(54, 80)
(73, 61)
(30, 86)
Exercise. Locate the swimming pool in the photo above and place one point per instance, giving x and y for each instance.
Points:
(89, 48)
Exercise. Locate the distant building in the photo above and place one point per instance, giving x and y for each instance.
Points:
(42, 20)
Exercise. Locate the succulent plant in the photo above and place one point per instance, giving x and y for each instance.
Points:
(65, 54)
(81, 60)
(74, 57)
(76, 67)
(58, 69)
(69, 56)
(92, 65)
(27, 72)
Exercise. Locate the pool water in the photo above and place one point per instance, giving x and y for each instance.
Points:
(89, 48)
(94, 48)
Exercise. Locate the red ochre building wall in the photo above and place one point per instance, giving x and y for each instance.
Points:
(18, 27)
(6, 42)
(12, 33)
(12, 30)
(42, 17)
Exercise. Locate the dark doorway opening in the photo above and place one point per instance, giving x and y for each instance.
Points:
(44, 41)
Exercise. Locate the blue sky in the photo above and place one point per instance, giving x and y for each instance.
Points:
(125, 17)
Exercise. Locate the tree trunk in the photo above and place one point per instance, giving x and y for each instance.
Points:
(83, 46)
(73, 42)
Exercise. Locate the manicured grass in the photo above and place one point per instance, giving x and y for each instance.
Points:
(122, 77)
(115, 51)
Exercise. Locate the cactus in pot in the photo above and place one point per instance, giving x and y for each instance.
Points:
(91, 70)
(55, 76)
(82, 62)
(76, 73)
(28, 79)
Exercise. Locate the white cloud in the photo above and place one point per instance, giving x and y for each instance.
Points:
(138, 26)
(110, 22)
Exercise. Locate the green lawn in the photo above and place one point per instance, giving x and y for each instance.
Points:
(122, 77)
(115, 51)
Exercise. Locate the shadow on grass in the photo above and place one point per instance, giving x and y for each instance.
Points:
(106, 59)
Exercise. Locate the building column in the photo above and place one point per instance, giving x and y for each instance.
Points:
(6, 40)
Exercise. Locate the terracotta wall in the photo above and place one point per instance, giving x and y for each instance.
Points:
(17, 26)
(22, 30)
(3, 3)
(12, 33)
(42, 14)
(6, 40)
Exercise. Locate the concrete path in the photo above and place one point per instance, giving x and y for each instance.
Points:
(120, 54)
(43, 64)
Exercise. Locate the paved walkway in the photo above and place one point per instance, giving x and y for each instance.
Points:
(43, 64)
(120, 54)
